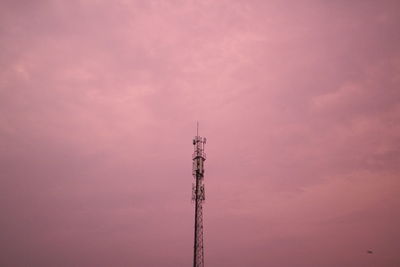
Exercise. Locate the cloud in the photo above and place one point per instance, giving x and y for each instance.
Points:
(98, 104)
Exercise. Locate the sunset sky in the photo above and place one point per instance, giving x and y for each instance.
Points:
(299, 101)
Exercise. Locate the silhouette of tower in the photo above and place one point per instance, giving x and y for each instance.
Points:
(198, 197)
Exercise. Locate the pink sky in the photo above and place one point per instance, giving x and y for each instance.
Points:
(299, 101)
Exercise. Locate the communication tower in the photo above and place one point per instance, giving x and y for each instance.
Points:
(198, 197)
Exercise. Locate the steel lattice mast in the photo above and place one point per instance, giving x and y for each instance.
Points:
(198, 197)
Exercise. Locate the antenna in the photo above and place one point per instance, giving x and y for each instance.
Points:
(198, 197)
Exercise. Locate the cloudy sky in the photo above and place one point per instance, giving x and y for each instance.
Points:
(299, 101)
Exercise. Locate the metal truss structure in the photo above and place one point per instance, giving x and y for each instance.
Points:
(198, 197)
